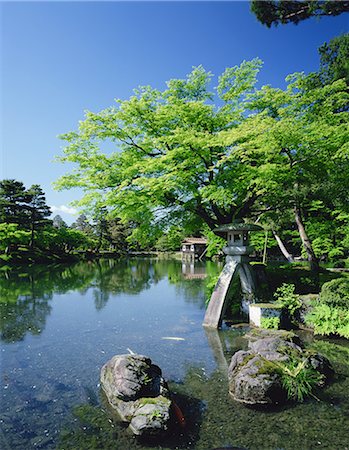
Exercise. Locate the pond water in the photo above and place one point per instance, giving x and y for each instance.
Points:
(60, 324)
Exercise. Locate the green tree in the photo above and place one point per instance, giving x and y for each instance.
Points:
(38, 211)
(184, 161)
(285, 11)
(171, 240)
(300, 141)
(168, 167)
(82, 224)
(334, 59)
(118, 234)
(13, 202)
(64, 240)
(11, 236)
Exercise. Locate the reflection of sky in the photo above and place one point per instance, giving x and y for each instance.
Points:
(78, 339)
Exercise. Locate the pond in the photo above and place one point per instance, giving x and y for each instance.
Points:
(60, 324)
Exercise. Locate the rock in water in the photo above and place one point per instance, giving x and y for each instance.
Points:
(135, 388)
(267, 373)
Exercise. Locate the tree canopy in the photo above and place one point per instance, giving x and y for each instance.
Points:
(285, 11)
(189, 156)
(169, 149)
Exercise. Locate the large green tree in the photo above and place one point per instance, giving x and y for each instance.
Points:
(285, 11)
(334, 59)
(167, 167)
(180, 159)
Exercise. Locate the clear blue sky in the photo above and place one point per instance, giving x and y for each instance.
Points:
(59, 59)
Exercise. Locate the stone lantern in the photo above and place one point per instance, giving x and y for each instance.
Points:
(238, 246)
(237, 253)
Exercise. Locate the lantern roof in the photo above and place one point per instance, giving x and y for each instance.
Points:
(237, 225)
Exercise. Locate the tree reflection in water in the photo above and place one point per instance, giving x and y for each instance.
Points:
(25, 293)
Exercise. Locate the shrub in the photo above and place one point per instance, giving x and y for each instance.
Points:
(297, 376)
(336, 293)
(270, 323)
(286, 297)
(328, 320)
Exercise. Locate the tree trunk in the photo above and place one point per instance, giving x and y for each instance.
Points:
(314, 263)
(31, 244)
(282, 247)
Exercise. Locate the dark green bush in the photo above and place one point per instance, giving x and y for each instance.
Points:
(336, 293)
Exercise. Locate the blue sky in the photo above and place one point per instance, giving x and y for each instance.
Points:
(61, 58)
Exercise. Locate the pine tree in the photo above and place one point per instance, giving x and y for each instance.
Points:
(13, 202)
(37, 210)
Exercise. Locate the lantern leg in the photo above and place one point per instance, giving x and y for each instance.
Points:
(248, 286)
(219, 299)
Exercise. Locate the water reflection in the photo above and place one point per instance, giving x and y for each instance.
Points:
(60, 324)
(25, 293)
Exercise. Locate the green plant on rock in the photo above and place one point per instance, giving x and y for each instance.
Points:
(156, 414)
(270, 322)
(299, 379)
(297, 376)
(286, 297)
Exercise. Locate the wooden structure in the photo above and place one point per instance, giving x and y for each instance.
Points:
(192, 272)
(237, 264)
(193, 247)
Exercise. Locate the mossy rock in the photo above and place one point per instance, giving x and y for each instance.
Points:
(275, 370)
(135, 389)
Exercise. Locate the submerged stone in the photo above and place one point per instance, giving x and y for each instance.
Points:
(135, 388)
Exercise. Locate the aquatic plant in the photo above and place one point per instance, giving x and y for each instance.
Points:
(299, 379)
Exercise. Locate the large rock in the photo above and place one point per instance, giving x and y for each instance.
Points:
(135, 388)
(257, 376)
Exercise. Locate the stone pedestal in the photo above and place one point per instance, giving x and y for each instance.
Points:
(258, 311)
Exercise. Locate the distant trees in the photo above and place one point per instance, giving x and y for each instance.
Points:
(25, 223)
(285, 11)
(25, 208)
(58, 222)
(334, 60)
(27, 232)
